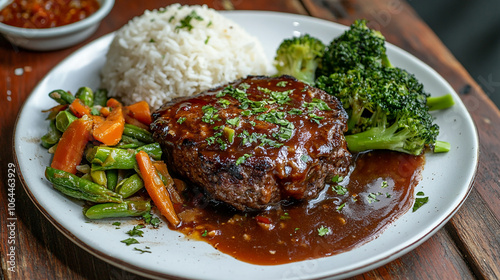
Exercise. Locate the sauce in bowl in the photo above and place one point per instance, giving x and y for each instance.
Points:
(46, 13)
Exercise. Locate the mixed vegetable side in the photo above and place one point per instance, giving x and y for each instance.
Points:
(105, 155)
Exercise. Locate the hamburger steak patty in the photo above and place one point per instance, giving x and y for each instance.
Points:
(255, 142)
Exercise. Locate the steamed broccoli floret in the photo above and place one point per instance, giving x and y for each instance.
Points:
(358, 47)
(299, 57)
(387, 106)
(387, 109)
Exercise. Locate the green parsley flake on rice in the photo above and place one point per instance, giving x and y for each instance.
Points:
(179, 51)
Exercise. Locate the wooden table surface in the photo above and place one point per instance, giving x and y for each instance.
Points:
(467, 247)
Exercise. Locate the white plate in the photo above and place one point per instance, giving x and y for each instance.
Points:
(447, 178)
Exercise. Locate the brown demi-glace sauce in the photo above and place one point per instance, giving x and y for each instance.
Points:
(379, 190)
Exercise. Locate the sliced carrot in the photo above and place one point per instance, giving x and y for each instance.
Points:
(55, 110)
(71, 146)
(110, 131)
(97, 120)
(161, 167)
(156, 189)
(131, 120)
(140, 111)
(105, 111)
(78, 108)
(113, 103)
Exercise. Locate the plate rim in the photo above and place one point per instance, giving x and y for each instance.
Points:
(152, 273)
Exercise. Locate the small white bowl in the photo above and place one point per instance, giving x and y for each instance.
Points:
(54, 38)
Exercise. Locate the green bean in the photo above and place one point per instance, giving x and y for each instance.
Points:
(86, 95)
(99, 177)
(64, 119)
(111, 179)
(128, 208)
(77, 187)
(100, 97)
(61, 96)
(128, 142)
(52, 136)
(153, 150)
(130, 186)
(138, 133)
(105, 158)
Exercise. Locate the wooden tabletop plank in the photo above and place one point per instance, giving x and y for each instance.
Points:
(476, 231)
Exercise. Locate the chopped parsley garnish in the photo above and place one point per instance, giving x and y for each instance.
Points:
(246, 113)
(339, 189)
(273, 116)
(337, 179)
(282, 84)
(420, 201)
(305, 158)
(316, 103)
(254, 137)
(372, 197)
(205, 233)
(285, 216)
(155, 222)
(142, 251)
(295, 111)
(149, 219)
(315, 118)
(223, 145)
(233, 121)
(340, 207)
(322, 231)
(384, 184)
(186, 22)
(130, 241)
(236, 93)
(242, 159)
(116, 224)
(224, 103)
(244, 86)
(212, 139)
(209, 114)
(152, 40)
(280, 97)
(285, 132)
(206, 40)
(181, 120)
(136, 231)
(272, 143)
(94, 111)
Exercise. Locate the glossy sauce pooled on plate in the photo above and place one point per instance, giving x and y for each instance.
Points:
(346, 215)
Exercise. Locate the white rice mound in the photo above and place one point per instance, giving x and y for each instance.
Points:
(151, 59)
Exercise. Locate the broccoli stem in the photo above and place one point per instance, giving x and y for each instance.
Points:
(440, 102)
(441, 147)
(381, 138)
